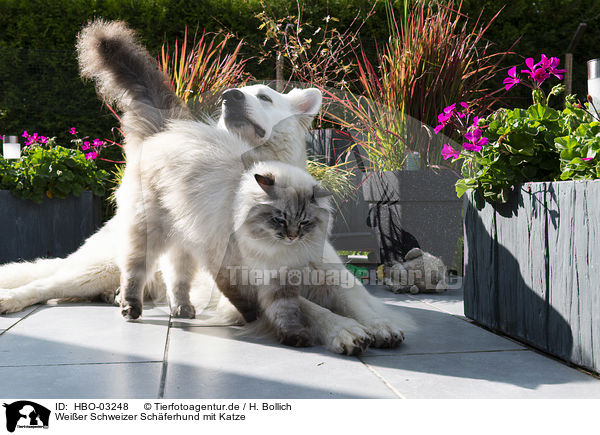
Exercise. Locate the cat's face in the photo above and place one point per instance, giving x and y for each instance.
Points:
(289, 215)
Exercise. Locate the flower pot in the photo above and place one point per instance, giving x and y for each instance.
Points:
(54, 228)
(532, 267)
(350, 230)
(415, 208)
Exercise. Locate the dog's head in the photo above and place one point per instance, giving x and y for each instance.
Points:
(254, 112)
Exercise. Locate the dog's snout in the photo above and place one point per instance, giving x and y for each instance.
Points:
(233, 95)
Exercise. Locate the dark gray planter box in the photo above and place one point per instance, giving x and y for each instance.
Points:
(350, 229)
(532, 267)
(421, 203)
(54, 228)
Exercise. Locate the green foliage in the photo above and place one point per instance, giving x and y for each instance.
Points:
(51, 171)
(335, 179)
(543, 26)
(534, 144)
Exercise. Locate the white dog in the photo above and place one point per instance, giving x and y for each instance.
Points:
(272, 124)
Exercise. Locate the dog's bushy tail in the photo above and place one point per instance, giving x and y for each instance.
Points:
(128, 77)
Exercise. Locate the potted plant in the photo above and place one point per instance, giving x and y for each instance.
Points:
(49, 198)
(431, 58)
(532, 220)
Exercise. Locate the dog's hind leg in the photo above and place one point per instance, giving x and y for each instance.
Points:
(14, 275)
(80, 282)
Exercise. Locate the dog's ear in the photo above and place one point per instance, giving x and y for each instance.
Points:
(306, 101)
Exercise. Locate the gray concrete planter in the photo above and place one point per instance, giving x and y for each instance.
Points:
(54, 228)
(532, 267)
(421, 207)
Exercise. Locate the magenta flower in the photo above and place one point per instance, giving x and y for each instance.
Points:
(451, 108)
(550, 65)
(449, 152)
(25, 134)
(512, 78)
(97, 143)
(444, 117)
(73, 131)
(476, 121)
(85, 146)
(476, 141)
(536, 71)
(43, 139)
(587, 159)
(91, 156)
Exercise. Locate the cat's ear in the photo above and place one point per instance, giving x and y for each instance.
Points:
(320, 192)
(306, 101)
(266, 182)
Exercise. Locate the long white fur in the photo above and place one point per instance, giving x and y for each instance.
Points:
(92, 270)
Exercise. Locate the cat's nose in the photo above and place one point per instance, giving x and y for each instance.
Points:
(292, 236)
(233, 96)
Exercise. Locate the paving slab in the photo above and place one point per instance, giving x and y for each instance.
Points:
(84, 333)
(8, 320)
(88, 381)
(215, 362)
(479, 375)
(429, 330)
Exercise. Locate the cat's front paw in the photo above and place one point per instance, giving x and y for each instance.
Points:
(184, 311)
(131, 310)
(298, 338)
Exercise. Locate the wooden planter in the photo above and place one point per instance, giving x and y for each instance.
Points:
(532, 267)
(54, 228)
(416, 206)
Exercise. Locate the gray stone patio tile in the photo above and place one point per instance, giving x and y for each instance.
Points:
(90, 381)
(78, 333)
(506, 375)
(215, 363)
(450, 302)
(428, 330)
(7, 320)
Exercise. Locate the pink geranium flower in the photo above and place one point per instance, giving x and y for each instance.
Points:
(550, 65)
(91, 156)
(449, 152)
(512, 78)
(85, 146)
(587, 159)
(73, 131)
(476, 141)
(536, 71)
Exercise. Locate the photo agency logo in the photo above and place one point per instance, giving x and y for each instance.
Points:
(26, 415)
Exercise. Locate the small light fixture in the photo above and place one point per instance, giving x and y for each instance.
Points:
(593, 67)
(11, 148)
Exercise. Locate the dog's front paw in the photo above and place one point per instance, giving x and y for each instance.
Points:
(348, 337)
(384, 332)
(10, 303)
(184, 311)
(298, 338)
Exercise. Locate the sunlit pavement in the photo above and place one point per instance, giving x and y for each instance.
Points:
(89, 351)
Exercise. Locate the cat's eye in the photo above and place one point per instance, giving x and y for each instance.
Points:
(265, 98)
(279, 220)
(305, 222)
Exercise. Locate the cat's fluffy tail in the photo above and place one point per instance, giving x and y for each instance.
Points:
(128, 77)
